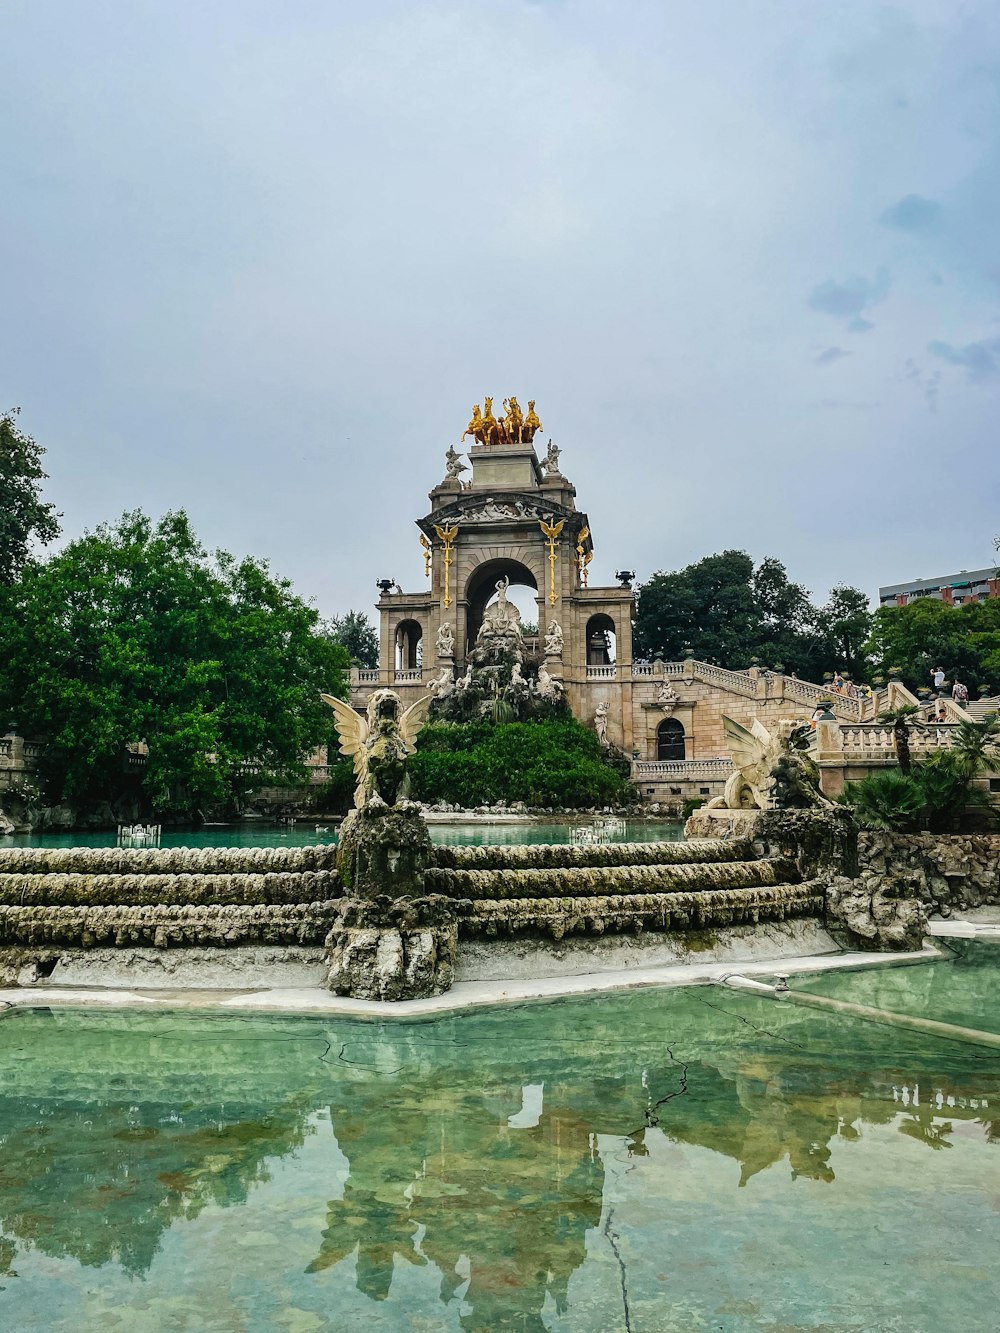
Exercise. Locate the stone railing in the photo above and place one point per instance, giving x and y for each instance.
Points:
(871, 740)
(682, 768)
(603, 672)
(739, 682)
(6, 748)
(841, 705)
(365, 675)
(402, 677)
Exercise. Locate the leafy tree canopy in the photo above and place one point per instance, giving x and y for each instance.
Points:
(963, 640)
(134, 633)
(358, 635)
(24, 517)
(726, 610)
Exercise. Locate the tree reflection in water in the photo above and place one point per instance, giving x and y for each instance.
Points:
(114, 1128)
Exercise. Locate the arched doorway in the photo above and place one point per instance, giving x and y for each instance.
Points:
(409, 645)
(481, 590)
(670, 739)
(601, 641)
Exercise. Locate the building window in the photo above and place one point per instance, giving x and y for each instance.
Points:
(601, 641)
(670, 739)
(409, 645)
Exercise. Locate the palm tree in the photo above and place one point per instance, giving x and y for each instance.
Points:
(976, 744)
(885, 800)
(901, 719)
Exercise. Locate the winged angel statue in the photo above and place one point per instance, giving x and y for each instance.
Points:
(772, 771)
(381, 740)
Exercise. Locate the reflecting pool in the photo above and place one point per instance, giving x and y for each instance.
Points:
(309, 833)
(656, 1160)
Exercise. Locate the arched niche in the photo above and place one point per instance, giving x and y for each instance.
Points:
(670, 739)
(602, 641)
(409, 645)
(481, 590)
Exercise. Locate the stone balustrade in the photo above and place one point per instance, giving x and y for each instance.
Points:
(685, 769)
(602, 672)
(402, 677)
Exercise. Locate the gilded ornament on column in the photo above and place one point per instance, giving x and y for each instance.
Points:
(427, 555)
(447, 536)
(551, 531)
(583, 555)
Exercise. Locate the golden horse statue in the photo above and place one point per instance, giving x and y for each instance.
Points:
(475, 426)
(531, 423)
(513, 428)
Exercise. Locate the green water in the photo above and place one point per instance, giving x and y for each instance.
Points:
(309, 833)
(963, 992)
(655, 1161)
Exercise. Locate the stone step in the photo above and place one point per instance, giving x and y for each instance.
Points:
(586, 881)
(536, 856)
(96, 890)
(166, 927)
(635, 913)
(165, 860)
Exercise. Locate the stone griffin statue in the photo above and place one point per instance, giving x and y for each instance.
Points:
(773, 772)
(380, 740)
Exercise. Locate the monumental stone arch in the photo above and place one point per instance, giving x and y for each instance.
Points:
(515, 519)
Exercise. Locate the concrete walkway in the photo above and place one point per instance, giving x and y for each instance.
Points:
(464, 995)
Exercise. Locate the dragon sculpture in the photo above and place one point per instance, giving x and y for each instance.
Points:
(773, 771)
(380, 740)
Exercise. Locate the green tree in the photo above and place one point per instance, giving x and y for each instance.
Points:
(902, 720)
(708, 607)
(963, 640)
(845, 622)
(134, 633)
(24, 517)
(358, 635)
(727, 611)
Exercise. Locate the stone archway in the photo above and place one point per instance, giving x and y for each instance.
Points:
(480, 588)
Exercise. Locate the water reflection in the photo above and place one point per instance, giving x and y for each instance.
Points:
(476, 1148)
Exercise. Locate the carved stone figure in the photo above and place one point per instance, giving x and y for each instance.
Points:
(502, 620)
(465, 681)
(453, 462)
(517, 680)
(443, 684)
(601, 722)
(548, 686)
(667, 697)
(446, 640)
(550, 463)
(773, 772)
(380, 741)
(554, 640)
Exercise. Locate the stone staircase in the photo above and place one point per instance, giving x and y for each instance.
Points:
(618, 888)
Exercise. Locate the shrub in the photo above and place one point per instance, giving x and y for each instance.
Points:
(550, 763)
(889, 800)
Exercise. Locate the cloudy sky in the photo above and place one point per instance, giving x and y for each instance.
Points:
(259, 260)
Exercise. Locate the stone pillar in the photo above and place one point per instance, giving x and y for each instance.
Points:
(390, 941)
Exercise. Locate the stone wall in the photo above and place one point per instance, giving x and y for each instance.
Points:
(944, 870)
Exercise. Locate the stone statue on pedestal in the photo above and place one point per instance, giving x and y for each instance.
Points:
(554, 640)
(550, 463)
(391, 941)
(446, 640)
(601, 722)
